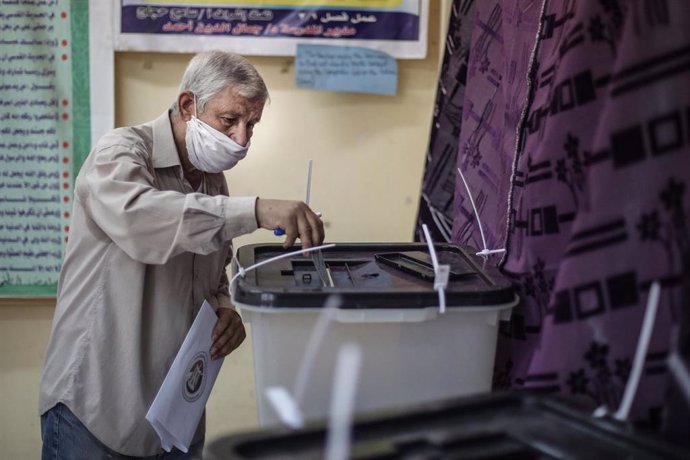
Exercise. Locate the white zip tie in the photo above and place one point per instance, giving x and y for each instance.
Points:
(345, 383)
(240, 270)
(641, 353)
(285, 406)
(442, 298)
(430, 244)
(441, 272)
(485, 251)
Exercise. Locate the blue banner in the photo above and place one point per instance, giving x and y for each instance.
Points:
(397, 27)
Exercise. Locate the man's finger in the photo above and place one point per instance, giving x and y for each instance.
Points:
(316, 229)
(305, 231)
(290, 239)
(228, 342)
(221, 325)
(229, 339)
(233, 342)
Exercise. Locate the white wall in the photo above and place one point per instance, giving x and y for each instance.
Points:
(368, 154)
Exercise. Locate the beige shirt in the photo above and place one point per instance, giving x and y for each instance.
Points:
(144, 251)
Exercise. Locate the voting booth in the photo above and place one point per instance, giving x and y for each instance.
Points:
(411, 353)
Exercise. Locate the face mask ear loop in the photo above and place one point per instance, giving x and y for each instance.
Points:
(194, 96)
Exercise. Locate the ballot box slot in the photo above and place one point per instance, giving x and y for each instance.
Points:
(305, 274)
(418, 263)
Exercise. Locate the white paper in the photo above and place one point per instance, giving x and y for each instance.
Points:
(177, 408)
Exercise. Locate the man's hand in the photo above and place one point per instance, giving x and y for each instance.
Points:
(294, 217)
(228, 333)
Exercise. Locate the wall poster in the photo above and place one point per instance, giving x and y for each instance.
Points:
(44, 136)
(271, 27)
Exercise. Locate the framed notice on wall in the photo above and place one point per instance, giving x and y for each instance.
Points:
(44, 137)
(271, 27)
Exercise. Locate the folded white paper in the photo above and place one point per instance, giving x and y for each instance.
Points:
(177, 408)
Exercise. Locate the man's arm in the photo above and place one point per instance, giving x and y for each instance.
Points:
(151, 225)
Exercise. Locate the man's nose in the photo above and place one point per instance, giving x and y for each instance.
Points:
(240, 135)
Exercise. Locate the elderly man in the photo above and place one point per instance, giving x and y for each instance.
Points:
(150, 239)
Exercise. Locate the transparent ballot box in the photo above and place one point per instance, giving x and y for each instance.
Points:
(387, 304)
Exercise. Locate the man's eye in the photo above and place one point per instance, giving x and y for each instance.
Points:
(228, 121)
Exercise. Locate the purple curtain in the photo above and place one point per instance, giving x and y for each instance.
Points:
(575, 141)
(436, 204)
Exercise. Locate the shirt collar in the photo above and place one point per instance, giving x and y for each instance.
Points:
(165, 152)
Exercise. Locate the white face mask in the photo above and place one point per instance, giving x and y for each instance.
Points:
(208, 149)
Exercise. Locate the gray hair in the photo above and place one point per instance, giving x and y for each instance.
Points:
(210, 72)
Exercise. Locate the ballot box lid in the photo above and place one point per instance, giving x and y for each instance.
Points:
(369, 275)
(494, 426)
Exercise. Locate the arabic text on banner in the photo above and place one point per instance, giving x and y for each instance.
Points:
(272, 27)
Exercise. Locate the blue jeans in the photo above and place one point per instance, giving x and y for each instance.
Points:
(66, 438)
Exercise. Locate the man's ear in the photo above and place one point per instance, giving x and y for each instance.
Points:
(185, 101)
